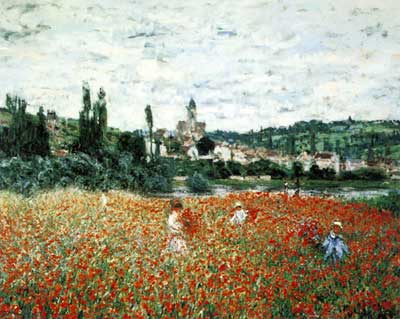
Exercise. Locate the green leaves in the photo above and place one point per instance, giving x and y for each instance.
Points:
(116, 171)
(197, 183)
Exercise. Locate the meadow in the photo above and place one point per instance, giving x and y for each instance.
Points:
(77, 254)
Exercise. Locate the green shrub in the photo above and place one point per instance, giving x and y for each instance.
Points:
(365, 173)
(197, 183)
(114, 171)
(317, 173)
(387, 202)
(297, 170)
(157, 183)
(220, 170)
(236, 168)
(265, 167)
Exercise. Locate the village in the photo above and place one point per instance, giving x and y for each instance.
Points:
(190, 131)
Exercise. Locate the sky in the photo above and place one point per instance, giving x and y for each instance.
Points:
(247, 64)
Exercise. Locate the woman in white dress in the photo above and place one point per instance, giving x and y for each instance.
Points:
(177, 243)
(240, 214)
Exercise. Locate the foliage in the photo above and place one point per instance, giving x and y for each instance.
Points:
(157, 183)
(318, 173)
(174, 146)
(26, 135)
(186, 167)
(92, 122)
(42, 146)
(222, 170)
(197, 183)
(297, 169)
(205, 145)
(149, 121)
(390, 202)
(313, 145)
(349, 138)
(236, 168)
(112, 170)
(369, 174)
(265, 167)
(133, 143)
(86, 257)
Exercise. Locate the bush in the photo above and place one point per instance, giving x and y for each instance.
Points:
(197, 183)
(325, 173)
(297, 170)
(266, 167)
(388, 202)
(157, 183)
(315, 172)
(188, 167)
(114, 171)
(236, 168)
(365, 173)
(223, 170)
(205, 145)
(220, 170)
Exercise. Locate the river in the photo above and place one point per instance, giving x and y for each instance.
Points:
(220, 190)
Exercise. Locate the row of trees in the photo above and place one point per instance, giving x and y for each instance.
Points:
(368, 145)
(26, 135)
(92, 122)
(95, 161)
(350, 139)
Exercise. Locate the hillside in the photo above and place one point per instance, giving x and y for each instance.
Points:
(65, 133)
(351, 138)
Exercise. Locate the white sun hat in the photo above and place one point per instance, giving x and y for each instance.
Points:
(337, 223)
(237, 204)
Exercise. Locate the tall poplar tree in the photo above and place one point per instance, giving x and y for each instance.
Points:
(149, 120)
(313, 143)
(92, 121)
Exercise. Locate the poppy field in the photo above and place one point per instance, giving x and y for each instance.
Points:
(75, 254)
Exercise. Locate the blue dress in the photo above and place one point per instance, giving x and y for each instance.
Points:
(335, 248)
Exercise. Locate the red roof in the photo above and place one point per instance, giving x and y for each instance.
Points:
(323, 155)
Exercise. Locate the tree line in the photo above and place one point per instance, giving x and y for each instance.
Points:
(26, 135)
(349, 139)
(94, 163)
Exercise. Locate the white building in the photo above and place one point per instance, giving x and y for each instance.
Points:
(327, 160)
(193, 153)
(223, 152)
(306, 159)
(352, 165)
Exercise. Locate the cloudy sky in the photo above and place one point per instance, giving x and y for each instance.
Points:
(246, 63)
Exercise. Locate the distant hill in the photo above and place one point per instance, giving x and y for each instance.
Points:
(65, 133)
(350, 138)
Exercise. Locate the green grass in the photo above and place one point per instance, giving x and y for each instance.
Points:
(241, 185)
(5, 118)
(389, 202)
(306, 184)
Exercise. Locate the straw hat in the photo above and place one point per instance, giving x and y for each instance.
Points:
(176, 203)
(237, 204)
(337, 223)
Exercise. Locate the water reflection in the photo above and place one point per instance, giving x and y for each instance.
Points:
(220, 190)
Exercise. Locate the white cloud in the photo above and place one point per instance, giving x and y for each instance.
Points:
(247, 64)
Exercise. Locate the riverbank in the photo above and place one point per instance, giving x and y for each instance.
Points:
(308, 184)
(346, 190)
